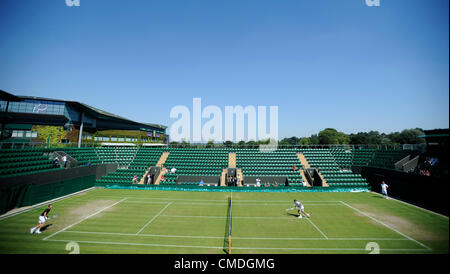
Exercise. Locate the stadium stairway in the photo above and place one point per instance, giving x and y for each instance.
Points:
(232, 160)
(329, 170)
(160, 163)
(304, 163)
(303, 160)
(239, 176)
(223, 177)
(161, 174)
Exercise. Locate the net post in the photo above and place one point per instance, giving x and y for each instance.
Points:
(231, 218)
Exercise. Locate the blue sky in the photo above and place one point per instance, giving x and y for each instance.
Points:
(324, 63)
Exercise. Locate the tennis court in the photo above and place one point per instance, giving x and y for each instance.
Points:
(139, 221)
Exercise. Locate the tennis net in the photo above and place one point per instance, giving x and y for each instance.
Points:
(228, 225)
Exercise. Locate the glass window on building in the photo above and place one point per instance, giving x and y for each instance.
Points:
(121, 139)
(114, 139)
(128, 139)
(17, 133)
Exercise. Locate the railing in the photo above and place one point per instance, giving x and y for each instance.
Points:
(203, 145)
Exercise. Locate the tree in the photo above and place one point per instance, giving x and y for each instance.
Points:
(228, 144)
(252, 144)
(304, 141)
(331, 136)
(314, 139)
(407, 136)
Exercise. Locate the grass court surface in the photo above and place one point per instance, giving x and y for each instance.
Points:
(140, 221)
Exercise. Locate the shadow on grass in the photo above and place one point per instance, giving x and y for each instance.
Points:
(45, 227)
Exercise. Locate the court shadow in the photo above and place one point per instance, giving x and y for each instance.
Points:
(45, 227)
(292, 214)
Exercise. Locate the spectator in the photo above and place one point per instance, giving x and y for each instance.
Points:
(173, 170)
(275, 184)
(88, 164)
(267, 184)
(294, 168)
(258, 182)
(56, 162)
(201, 183)
(64, 159)
(134, 179)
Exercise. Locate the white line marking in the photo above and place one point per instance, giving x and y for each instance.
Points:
(243, 248)
(380, 222)
(321, 232)
(154, 217)
(225, 217)
(225, 204)
(51, 235)
(406, 203)
(26, 208)
(235, 237)
(234, 201)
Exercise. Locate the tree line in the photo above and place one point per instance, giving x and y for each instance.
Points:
(331, 136)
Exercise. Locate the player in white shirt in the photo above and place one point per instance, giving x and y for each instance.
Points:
(384, 188)
(300, 208)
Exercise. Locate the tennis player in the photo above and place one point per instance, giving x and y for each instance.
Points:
(300, 209)
(42, 219)
(384, 188)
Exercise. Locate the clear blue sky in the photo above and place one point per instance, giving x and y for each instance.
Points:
(324, 63)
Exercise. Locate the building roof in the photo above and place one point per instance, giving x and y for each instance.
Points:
(95, 112)
(8, 96)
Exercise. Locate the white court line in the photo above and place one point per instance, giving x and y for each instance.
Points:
(225, 204)
(243, 248)
(51, 235)
(225, 217)
(321, 232)
(222, 200)
(28, 208)
(234, 237)
(393, 229)
(406, 203)
(154, 217)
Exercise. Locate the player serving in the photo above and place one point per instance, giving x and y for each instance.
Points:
(42, 219)
(300, 208)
